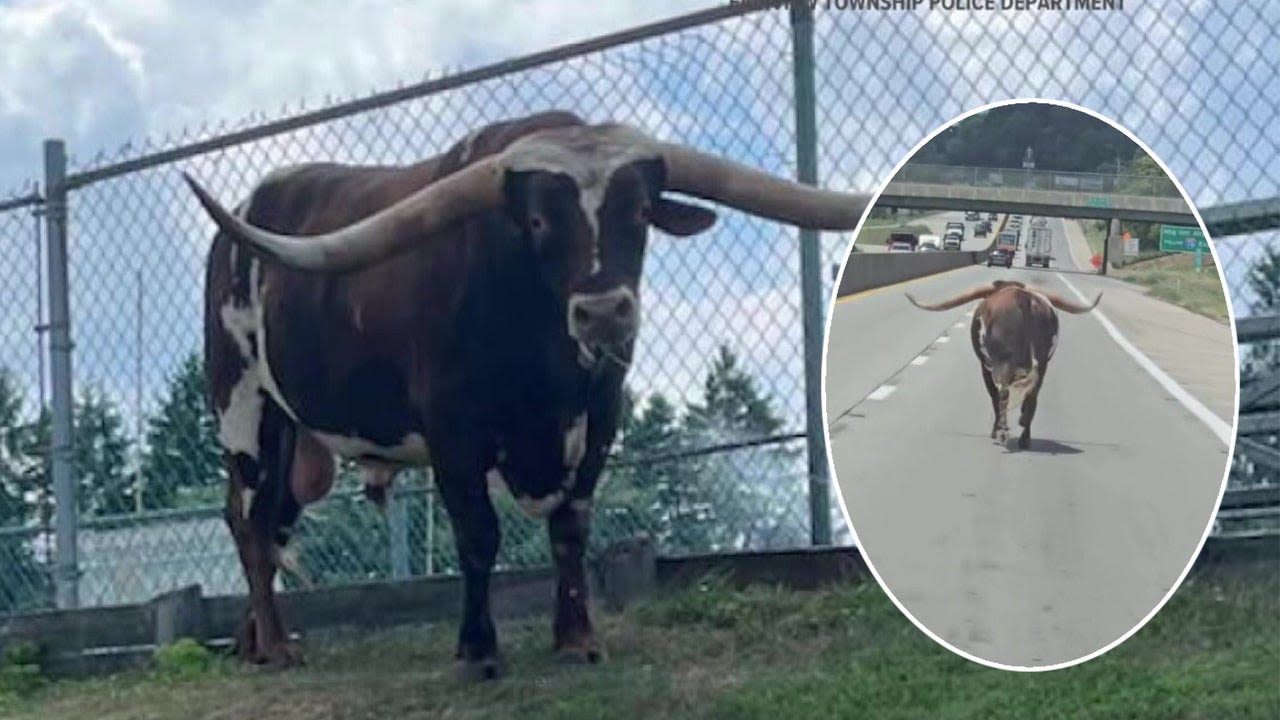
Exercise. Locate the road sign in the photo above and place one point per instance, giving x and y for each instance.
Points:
(1098, 201)
(1176, 238)
(1130, 245)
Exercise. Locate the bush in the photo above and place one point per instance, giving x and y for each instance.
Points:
(183, 660)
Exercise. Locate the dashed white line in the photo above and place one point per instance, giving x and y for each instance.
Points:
(959, 324)
(882, 392)
(943, 339)
(920, 360)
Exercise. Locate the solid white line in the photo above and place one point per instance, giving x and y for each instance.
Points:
(1220, 427)
(920, 360)
(882, 392)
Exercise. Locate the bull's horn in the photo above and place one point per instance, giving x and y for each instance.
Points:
(978, 293)
(1068, 306)
(377, 236)
(744, 188)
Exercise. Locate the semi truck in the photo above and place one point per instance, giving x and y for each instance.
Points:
(1039, 247)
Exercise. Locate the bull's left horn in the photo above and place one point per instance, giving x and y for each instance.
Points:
(744, 188)
(1067, 306)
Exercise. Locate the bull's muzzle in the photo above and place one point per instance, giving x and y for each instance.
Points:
(605, 318)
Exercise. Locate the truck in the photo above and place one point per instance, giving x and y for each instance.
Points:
(952, 241)
(1039, 247)
(929, 242)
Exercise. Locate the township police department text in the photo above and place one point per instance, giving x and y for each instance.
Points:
(974, 5)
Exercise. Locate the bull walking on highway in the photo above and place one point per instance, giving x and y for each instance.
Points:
(475, 312)
(1014, 333)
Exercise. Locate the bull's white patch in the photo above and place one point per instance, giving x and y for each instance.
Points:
(246, 501)
(580, 505)
(575, 447)
(982, 343)
(540, 507)
(590, 156)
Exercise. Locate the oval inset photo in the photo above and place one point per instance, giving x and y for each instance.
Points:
(1030, 382)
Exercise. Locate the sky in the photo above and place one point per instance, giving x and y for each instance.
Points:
(115, 78)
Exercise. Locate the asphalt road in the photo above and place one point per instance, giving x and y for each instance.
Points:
(937, 224)
(1024, 558)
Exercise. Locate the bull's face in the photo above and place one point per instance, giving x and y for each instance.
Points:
(589, 236)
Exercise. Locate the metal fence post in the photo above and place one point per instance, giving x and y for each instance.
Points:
(66, 567)
(398, 532)
(812, 300)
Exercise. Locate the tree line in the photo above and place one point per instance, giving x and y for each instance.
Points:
(662, 483)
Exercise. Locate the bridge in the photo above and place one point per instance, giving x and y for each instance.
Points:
(1037, 192)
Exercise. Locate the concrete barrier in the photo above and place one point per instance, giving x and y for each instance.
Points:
(866, 271)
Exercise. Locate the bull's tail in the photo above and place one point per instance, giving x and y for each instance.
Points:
(978, 293)
(1066, 305)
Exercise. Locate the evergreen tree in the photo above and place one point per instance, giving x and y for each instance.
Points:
(101, 456)
(24, 584)
(183, 456)
(1264, 281)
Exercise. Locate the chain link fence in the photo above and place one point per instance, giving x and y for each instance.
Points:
(723, 314)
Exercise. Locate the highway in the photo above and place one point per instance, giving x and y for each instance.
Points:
(1022, 558)
(937, 224)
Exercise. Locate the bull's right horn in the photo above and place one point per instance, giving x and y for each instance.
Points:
(377, 236)
(978, 293)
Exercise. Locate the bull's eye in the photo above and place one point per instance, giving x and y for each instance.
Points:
(537, 224)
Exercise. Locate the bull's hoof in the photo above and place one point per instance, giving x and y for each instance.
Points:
(580, 653)
(1024, 441)
(1002, 437)
(474, 671)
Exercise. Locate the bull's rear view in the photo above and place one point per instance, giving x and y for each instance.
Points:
(1014, 333)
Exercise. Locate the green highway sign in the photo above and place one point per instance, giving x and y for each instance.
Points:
(1097, 201)
(1176, 238)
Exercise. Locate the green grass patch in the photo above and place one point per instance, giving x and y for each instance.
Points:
(878, 234)
(1173, 278)
(714, 652)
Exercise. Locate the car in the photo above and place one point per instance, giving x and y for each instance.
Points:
(927, 248)
(1039, 222)
(900, 247)
(973, 215)
(992, 217)
(951, 242)
(982, 229)
(932, 241)
(1002, 255)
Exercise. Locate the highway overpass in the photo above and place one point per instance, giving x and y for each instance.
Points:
(1037, 192)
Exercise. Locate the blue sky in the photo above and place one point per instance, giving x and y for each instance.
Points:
(1191, 79)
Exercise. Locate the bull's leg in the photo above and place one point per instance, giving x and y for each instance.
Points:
(569, 527)
(1029, 412)
(259, 511)
(1002, 415)
(477, 535)
(990, 383)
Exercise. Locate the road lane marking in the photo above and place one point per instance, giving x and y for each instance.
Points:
(943, 339)
(882, 392)
(1216, 424)
(920, 360)
(959, 324)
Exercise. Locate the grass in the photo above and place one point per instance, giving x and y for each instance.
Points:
(1173, 278)
(1212, 652)
(878, 234)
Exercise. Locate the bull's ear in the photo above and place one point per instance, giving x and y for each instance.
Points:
(680, 219)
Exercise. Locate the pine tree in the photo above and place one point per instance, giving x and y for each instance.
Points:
(101, 456)
(183, 455)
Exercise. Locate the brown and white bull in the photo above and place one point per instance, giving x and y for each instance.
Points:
(1014, 333)
(475, 312)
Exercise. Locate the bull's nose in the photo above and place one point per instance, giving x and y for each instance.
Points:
(603, 317)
